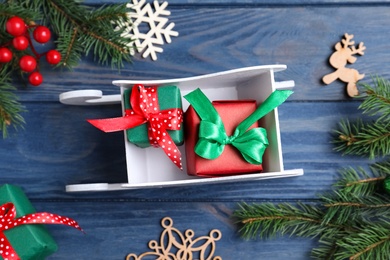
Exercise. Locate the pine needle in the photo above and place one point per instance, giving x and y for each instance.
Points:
(358, 181)
(372, 241)
(365, 139)
(377, 99)
(82, 30)
(10, 108)
(267, 220)
(344, 207)
(358, 202)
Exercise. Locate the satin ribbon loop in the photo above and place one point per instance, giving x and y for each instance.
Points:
(8, 221)
(212, 134)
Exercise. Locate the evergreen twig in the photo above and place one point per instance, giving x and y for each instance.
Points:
(267, 220)
(353, 221)
(339, 222)
(343, 207)
(365, 139)
(377, 99)
(372, 241)
(370, 139)
(10, 108)
(79, 30)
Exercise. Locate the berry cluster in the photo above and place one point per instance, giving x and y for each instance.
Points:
(16, 27)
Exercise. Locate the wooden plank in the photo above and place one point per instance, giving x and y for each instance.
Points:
(253, 2)
(58, 147)
(114, 230)
(301, 38)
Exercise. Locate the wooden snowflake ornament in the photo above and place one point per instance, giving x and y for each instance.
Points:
(340, 58)
(142, 16)
(174, 245)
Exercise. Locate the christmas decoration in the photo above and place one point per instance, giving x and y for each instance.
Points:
(16, 27)
(5, 55)
(353, 220)
(153, 116)
(20, 43)
(53, 57)
(35, 78)
(370, 138)
(176, 245)
(42, 34)
(339, 59)
(149, 168)
(78, 30)
(142, 14)
(20, 236)
(213, 135)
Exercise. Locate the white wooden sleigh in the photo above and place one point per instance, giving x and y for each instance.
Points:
(149, 167)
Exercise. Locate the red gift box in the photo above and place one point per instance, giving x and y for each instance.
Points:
(232, 113)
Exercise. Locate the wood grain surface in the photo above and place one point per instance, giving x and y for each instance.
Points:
(58, 147)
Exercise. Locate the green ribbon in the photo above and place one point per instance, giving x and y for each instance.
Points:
(212, 135)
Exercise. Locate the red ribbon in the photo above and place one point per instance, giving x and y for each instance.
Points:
(8, 221)
(145, 109)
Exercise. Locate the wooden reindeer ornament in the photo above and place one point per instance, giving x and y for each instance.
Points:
(339, 59)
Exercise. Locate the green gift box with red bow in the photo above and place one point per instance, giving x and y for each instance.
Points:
(29, 241)
(22, 235)
(167, 98)
(153, 116)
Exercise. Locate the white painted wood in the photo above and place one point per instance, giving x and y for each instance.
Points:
(149, 167)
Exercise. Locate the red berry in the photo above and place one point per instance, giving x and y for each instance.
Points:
(35, 78)
(5, 55)
(27, 63)
(53, 57)
(20, 42)
(42, 34)
(15, 26)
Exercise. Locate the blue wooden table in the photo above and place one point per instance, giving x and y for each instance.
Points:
(57, 147)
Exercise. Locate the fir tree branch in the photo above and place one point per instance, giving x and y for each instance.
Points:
(360, 182)
(370, 247)
(84, 30)
(327, 247)
(383, 167)
(353, 221)
(366, 139)
(266, 220)
(377, 99)
(343, 207)
(372, 241)
(17, 8)
(78, 30)
(10, 108)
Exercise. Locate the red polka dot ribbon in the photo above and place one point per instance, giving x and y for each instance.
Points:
(145, 109)
(8, 221)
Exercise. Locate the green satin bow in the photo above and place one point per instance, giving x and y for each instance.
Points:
(212, 135)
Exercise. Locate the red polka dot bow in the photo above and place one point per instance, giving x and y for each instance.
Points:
(8, 221)
(145, 109)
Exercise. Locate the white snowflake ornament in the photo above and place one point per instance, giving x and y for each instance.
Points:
(144, 16)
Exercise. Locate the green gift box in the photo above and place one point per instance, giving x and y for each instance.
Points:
(168, 97)
(31, 242)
